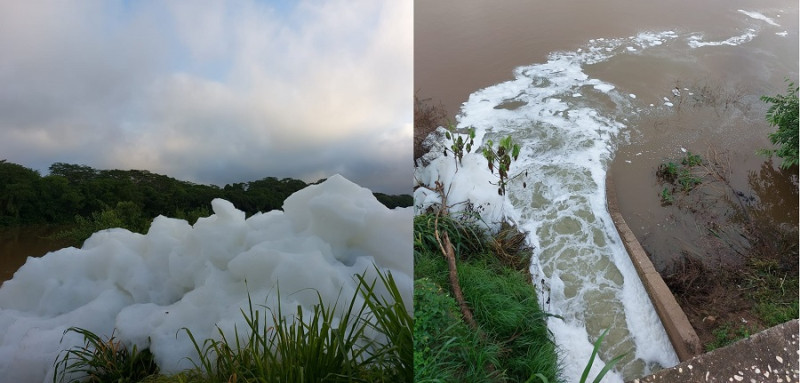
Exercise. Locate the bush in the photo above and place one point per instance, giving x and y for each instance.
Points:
(783, 114)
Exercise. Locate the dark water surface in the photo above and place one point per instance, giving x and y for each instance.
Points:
(19, 243)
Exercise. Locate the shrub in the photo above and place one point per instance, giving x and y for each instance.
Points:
(501, 158)
(783, 114)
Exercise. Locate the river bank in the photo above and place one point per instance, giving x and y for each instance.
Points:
(734, 279)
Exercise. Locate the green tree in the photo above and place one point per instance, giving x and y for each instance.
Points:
(783, 114)
(17, 193)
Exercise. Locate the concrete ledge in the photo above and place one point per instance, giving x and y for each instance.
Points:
(769, 356)
(680, 332)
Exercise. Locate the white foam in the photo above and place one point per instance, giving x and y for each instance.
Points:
(150, 286)
(782, 34)
(696, 40)
(566, 144)
(604, 87)
(760, 16)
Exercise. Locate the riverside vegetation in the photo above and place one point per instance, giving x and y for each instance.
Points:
(86, 200)
(755, 285)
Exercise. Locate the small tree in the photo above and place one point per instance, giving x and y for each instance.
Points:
(501, 159)
(458, 146)
(783, 114)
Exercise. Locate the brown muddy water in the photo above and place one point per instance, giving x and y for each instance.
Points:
(19, 243)
(720, 55)
(462, 46)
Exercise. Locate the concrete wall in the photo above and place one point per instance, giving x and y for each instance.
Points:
(680, 332)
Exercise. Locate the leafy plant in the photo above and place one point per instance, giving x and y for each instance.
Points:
(501, 158)
(666, 197)
(103, 361)
(687, 180)
(783, 113)
(459, 145)
(667, 171)
(692, 159)
(680, 175)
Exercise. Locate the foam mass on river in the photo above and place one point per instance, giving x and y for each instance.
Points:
(145, 288)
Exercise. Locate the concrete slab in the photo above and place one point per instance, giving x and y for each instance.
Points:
(772, 355)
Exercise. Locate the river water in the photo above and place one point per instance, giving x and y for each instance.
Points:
(586, 87)
(19, 243)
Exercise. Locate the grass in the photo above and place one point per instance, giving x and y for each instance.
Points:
(727, 334)
(322, 347)
(101, 360)
(771, 284)
(512, 342)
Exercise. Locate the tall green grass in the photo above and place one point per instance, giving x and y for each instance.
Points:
(512, 342)
(99, 361)
(293, 347)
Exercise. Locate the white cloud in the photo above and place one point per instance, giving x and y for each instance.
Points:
(211, 92)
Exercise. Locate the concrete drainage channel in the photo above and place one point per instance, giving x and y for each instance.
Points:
(769, 356)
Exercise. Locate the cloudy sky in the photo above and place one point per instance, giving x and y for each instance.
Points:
(211, 91)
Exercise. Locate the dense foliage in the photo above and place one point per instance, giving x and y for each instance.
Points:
(783, 114)
(71, 191)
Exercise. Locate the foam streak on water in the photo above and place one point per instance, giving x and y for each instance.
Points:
(568, 125)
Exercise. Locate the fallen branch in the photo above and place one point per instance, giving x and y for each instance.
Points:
(447, 250)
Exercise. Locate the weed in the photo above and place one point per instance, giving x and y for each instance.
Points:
(726, 334)
(103, 361)
(687, 180)
(680, 175)
(666, 197)
(692, 160)
(667, 172)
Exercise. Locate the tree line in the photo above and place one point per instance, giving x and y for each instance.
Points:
(71, 193)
